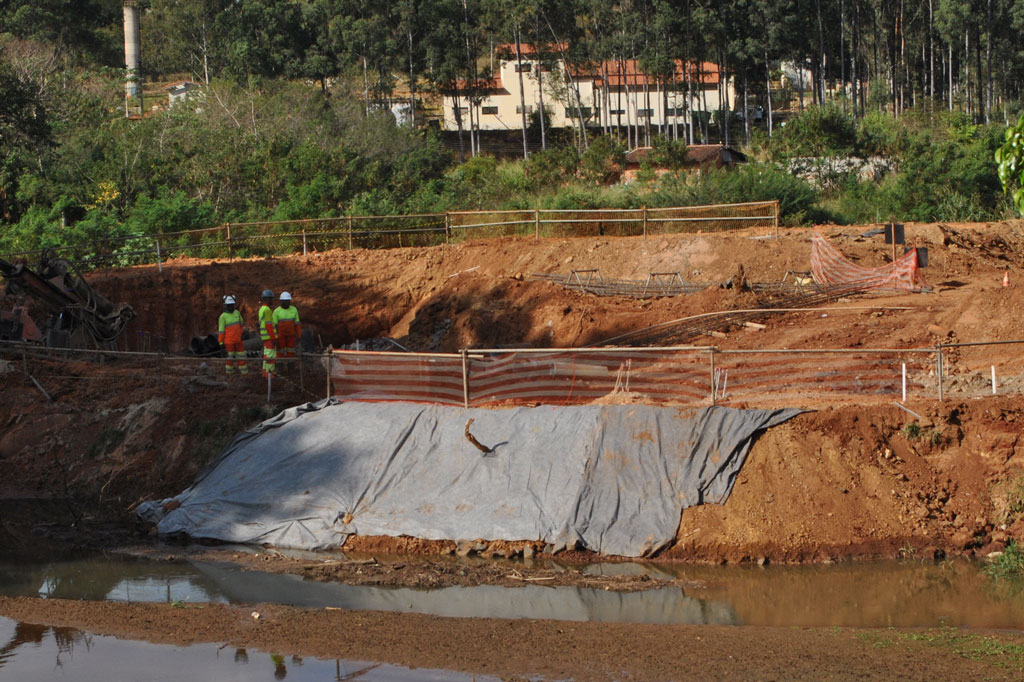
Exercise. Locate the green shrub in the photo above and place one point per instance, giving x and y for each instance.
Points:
(602, 161)
(912, 430)
(748, 182)
(552, 167)
(1009, 564)
(819, 131)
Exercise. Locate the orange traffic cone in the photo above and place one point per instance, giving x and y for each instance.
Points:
(1006, 278)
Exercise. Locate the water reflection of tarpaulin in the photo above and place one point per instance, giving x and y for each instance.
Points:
(663, 605)
(613, 478)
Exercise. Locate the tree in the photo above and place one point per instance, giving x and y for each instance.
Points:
(1010, 160)
(82, 25)
(185, 35)
(23, 131)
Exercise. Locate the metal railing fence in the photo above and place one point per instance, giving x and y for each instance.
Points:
(267, 238)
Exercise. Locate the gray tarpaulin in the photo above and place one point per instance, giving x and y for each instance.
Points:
(613, 478)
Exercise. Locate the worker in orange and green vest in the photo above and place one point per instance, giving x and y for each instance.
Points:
(289, 328)
(229, 334)
(268, 333)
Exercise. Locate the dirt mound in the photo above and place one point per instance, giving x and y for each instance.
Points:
(849, 482)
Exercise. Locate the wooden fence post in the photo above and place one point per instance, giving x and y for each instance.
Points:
(536, 224)
(938, 369)
(230, 255)
(159, 265)
(447, 227)
(303, 240)
(350, 233)
(777, 211)
(645, 220)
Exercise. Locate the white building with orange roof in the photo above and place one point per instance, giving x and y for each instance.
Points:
(613, 93)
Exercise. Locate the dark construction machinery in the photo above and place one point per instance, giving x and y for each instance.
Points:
(74, 312)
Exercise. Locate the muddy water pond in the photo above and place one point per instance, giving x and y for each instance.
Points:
(31, 653)
(867, 594)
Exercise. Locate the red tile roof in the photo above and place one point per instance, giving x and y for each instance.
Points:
(629, 72)
(480, 84)
(528, 49)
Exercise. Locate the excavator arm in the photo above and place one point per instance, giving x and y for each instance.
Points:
(68, 300)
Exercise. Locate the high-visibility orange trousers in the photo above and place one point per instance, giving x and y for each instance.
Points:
(287, 343)
(236, 358)
(269, 357)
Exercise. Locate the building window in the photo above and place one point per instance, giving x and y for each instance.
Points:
(526, 67)
(585, 111)
(460, 112)
(489, 110)
(529, 109)
(546, 68)
(645, 113)
(616, 112)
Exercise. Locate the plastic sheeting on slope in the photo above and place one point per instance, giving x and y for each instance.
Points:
(612, 478)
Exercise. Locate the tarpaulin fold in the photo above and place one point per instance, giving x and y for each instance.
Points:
(611, 478)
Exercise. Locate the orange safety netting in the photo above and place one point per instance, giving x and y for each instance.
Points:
(832, 269)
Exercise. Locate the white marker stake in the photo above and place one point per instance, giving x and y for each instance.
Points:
(904, 382)
(993, 379)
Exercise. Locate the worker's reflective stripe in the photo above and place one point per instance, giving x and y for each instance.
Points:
(287, 321)
(267, 329)
(230, 327)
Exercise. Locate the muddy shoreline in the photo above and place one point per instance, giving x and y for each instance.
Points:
(514, 649)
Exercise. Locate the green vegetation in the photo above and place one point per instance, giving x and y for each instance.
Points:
(1009, 564)
(912, 430)
(988, 649)
(1015, 500)
(1010, 158)
(293, 118)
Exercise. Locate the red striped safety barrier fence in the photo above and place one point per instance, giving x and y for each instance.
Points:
(691, 374)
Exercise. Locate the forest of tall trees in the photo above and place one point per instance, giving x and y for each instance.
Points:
(958, 54)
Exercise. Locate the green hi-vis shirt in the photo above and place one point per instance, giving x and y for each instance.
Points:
(229, 327)
(268, 331)
(287, 320)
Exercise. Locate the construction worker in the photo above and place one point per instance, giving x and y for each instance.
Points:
(268, 333)
(289, 329)
(229, 334)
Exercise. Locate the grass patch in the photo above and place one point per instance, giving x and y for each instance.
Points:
(1015, 500)
(911, 430)
(975, 647)
(991, 650)
(1009, 564)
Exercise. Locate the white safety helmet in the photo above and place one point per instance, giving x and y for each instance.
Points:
(285, 296)
(229, 300)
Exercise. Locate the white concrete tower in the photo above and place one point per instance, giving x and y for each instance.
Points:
(132, 45)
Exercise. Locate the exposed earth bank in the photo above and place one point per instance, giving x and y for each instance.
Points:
(856, 478)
